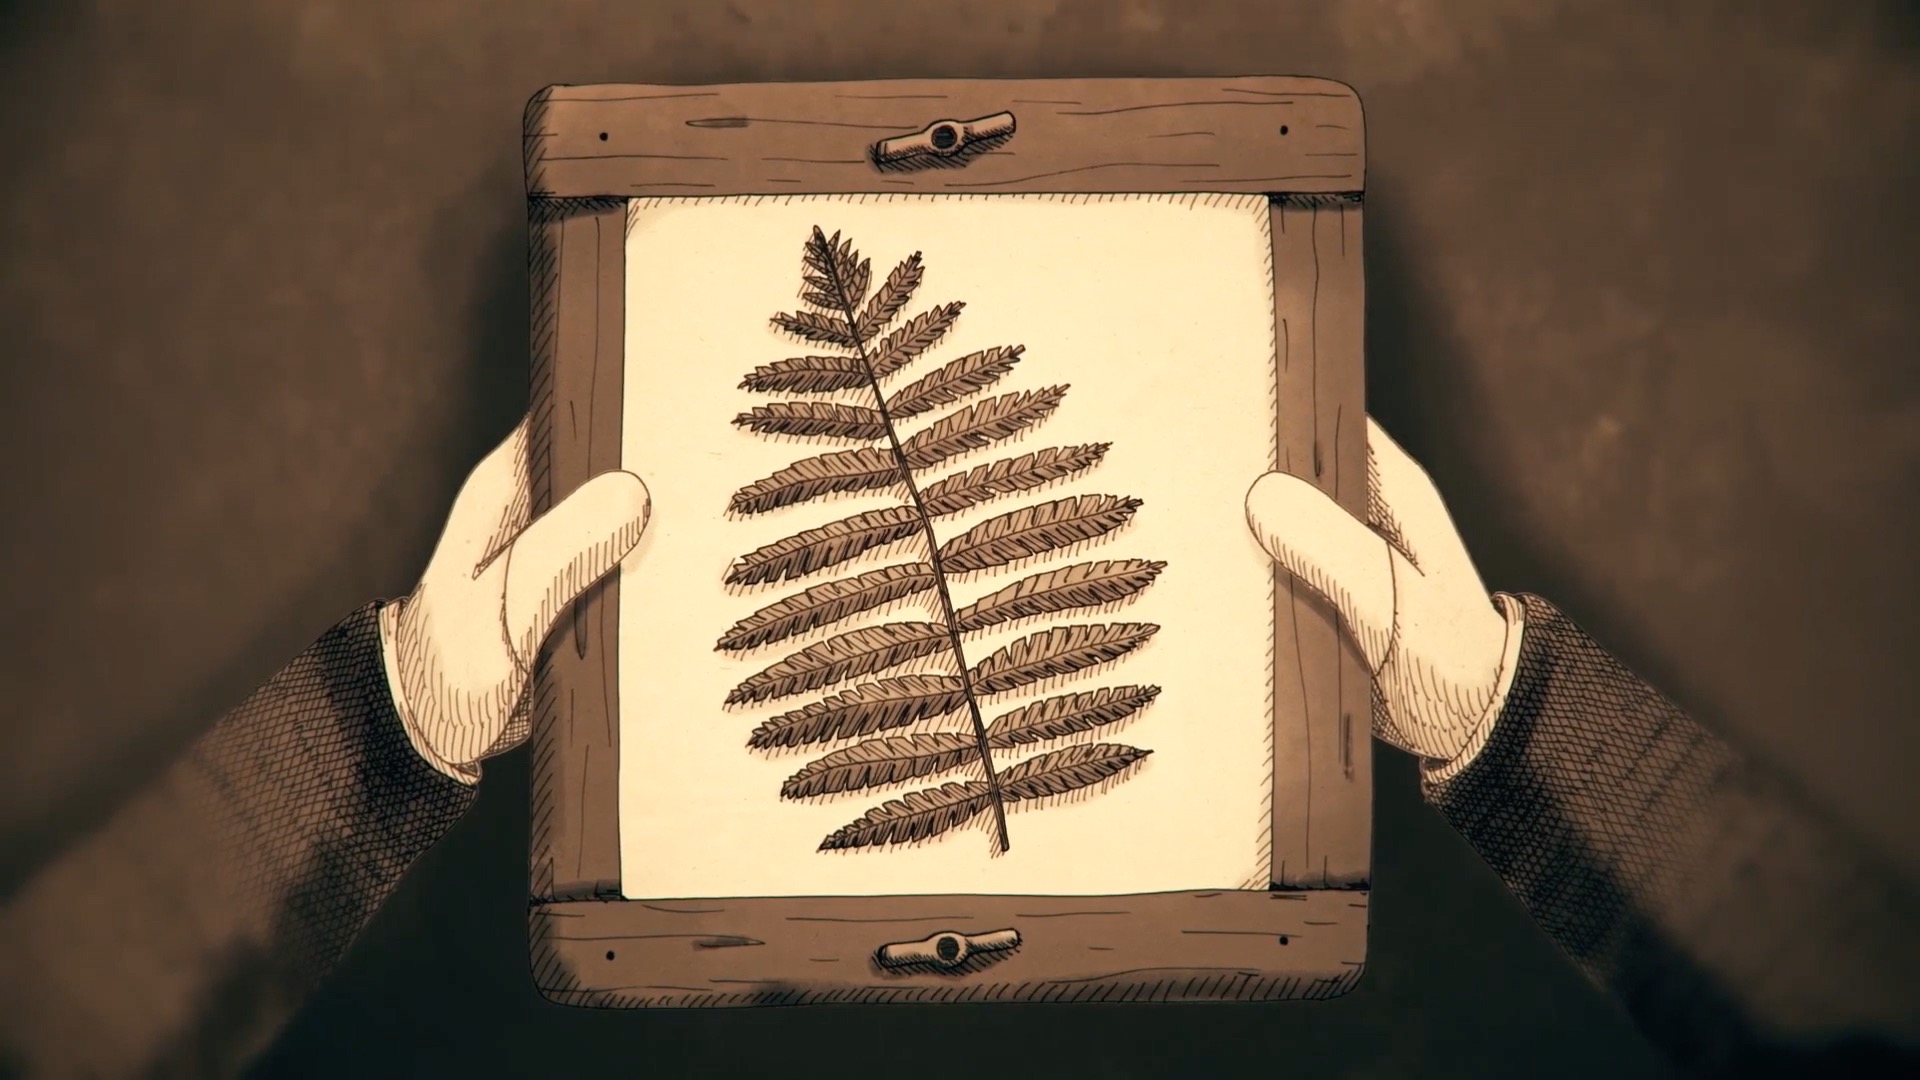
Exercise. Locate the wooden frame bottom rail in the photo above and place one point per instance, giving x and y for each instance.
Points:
(1159, 947)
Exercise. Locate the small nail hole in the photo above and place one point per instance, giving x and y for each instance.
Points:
(1283, 130)
(610, 953)
(603, 135)
(945, 136)
(1283, 941)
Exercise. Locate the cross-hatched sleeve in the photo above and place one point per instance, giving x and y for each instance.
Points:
(1740, 929)
(177, 938)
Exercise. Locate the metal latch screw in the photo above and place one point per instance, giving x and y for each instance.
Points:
(948, 948)
(944, 138)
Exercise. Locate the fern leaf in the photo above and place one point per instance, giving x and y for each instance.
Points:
(918, 815)
(833, 267)
(815, 418)
(954, 380)
(827, 261)
(815, 326)
(1068, 769)
(922, 815)
(1079, 586)
(857, 652)
(917, 335)
(837, 251)
(865, 469)
(817, 253)
(1034, 530)
(816, 267)
(1068, 714)
(834, 543)
(1062, 650)
(826, 546)
(826, 604)
(842, 309)
(979, 425)
(881, 705)
(855, 277)
(807, 375)
(1008, 476)
(878, 762)
(892, 295)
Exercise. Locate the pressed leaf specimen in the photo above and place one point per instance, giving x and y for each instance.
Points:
(845, 397)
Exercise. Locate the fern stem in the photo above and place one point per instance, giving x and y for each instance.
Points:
(933, 555)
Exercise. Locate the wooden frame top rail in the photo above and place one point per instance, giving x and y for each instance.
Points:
(1240, 135)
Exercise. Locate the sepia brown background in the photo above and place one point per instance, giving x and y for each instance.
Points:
(1641, 298)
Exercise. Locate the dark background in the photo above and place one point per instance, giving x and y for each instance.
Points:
(1640, 297)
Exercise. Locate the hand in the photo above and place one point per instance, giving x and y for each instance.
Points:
(1440, 652)
(460, 647)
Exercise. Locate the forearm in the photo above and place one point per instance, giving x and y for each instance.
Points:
(1729, 921)
(181, 935)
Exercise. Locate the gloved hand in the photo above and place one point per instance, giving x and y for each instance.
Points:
(1442, 652)
(460, 648)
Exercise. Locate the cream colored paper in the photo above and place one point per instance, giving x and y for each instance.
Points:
(1157, 311)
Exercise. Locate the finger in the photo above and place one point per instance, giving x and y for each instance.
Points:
(492, 506)
(1385, 728)
(569, 548)
(519, 726)
(1332, 552)
(1404, 504)
(1379, 514)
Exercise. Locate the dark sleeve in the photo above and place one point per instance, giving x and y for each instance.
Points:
(1744, 933)
(179, 937)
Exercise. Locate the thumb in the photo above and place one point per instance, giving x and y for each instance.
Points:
(569, 548)
(1317, 541)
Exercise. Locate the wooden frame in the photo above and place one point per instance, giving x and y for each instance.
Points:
(1301, 142)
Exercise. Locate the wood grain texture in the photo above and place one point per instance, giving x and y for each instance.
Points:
(1071, 135)
(1178, 946)
(1323, 760)
(577, 269)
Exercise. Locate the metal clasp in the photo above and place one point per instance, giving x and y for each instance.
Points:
(944, 138)
(947, 949)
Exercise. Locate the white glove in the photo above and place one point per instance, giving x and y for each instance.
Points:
(459, 650)
(1441, 652)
